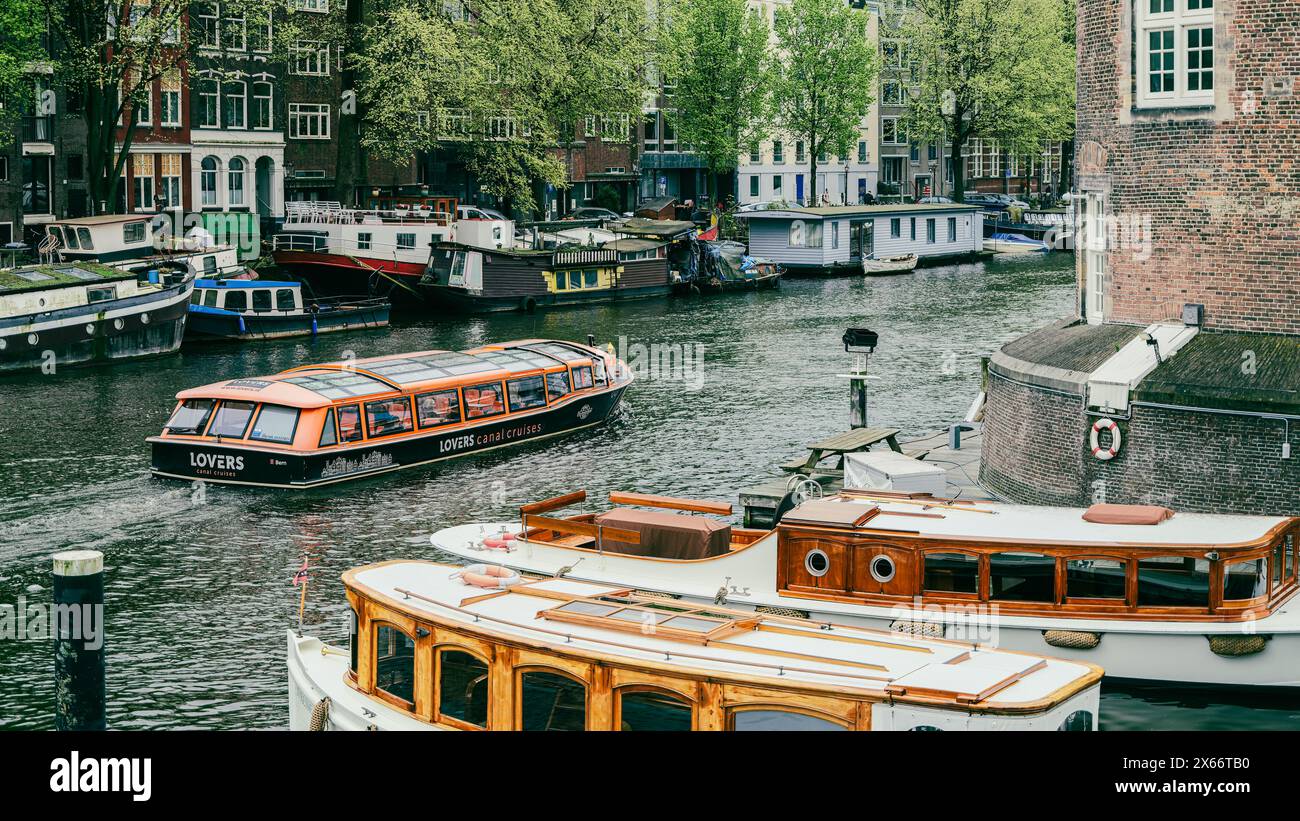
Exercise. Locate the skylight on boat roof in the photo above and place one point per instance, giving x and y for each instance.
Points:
(668, 620)
(79, 273)
(32, 275)
(561, 352)
(338, 384)
(517, 360)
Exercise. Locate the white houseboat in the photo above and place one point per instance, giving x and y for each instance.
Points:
(1146, 594)
(436, 646)
(837, 239)
(139, 241)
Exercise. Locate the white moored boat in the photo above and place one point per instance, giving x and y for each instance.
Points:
(438, 646)
(889, 265)
(1192, 598)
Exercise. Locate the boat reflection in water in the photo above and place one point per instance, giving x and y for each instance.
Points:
(319, 424)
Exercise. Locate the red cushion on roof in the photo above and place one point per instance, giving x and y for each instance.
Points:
(1127, 514)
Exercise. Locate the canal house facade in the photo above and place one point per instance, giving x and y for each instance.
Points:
(1175, 381)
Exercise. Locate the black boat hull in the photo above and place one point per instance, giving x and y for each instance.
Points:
(242, 465)
(212, 327)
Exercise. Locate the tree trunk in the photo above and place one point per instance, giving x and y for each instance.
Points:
(348, 160)
(812, 172)
(104, 167)
(958, 164)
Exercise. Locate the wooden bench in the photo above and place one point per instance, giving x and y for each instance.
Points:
(853, 441)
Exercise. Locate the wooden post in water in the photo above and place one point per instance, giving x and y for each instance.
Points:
(78, 612)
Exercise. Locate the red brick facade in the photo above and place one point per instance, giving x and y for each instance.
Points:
(1215, 188)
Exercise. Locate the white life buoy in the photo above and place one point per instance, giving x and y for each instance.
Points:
(493, 577)
(1105, 454)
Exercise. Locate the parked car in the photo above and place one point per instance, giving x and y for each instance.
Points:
(988, 202)
(761, 205)
(1010, 201)
(475, 212)
(590, 212)
(934, 201)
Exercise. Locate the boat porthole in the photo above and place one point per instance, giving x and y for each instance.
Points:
(42, 302)
(144, 319)
(90, 328)
(32, 339)
(3, 344)
(816, 562)
(119, 324)
(882, 568)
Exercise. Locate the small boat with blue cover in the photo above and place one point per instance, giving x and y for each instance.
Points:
(244, 309)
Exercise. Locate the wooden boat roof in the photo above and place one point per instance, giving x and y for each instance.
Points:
(1002, 523)
(315, 386)
(603, 620)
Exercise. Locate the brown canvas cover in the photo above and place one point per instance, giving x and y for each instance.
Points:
(667, 535)
(1127, 514)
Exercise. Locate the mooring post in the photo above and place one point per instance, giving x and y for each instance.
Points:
(79, 640)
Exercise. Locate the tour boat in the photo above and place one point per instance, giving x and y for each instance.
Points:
(889, 265)
(247, 309)
(52, 316)
(435, 646)
(1005, 243)
(318, 424)
(1188, 597)
(349, 251)
(472, 279)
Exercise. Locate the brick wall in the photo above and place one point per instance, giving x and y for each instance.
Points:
(1218, 189)
(1036, 452)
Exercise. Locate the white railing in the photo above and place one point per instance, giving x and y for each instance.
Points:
(333, 213)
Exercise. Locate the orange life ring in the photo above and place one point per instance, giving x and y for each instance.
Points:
(489, 576)
(1105, 454)
(496, 543)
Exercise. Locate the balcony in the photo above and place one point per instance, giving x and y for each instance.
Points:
(37, 130)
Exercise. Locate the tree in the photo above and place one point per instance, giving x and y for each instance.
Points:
(502, 83)
(716, 51)
(825, 76)
(994, 69)
(110, 52)
(21, 24)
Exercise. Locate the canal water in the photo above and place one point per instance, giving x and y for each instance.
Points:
(199, 585)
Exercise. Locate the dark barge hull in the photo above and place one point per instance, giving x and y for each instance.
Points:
(460, 300)
(151, 325)
(242, 465)
(211, 327)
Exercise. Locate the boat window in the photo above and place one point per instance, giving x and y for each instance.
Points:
(561, 281)
(196, 296)
(1245, 580)
(363, 241)
(652, 710)
(529, 392)
(389, 416)
(582, 378)
(557, 385)
(284, 300)
(768, 720)
(1080, 721)
(548, 701)
(191, 416)
(1291, 550)
(350, 423)
(70, 240)
(1095, 578)
(462, 687)
(210, 299)
(1173, 581)
(276, 423)
(328, 435)
(590, 279)
(84, 235)
(133, 232)
(1021, 577)
(209, 265)
(261, 300)
(575, 279)
(483, 400)
(236, 301)
(405, 241)
(952, 573)
(925, 728)
(439, 408)
(232, 419)
(352, 640)
(395, 663)
(101, 294)
(599, 365)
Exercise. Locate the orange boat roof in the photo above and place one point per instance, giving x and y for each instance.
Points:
(321, 385)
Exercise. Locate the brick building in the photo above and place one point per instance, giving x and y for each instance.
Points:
(1187, 336)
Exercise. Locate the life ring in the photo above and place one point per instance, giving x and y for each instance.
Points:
(490, 576)
(1105, 454)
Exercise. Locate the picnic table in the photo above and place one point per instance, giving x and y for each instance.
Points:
(853, 441)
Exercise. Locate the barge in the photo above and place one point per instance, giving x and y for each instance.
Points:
(320, 424)
(250, 309)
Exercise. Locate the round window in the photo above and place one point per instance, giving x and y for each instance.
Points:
(816, 562)
(882, 568)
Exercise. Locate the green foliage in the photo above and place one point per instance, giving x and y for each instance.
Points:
(825, 76)
(504, 85)
(994, 69)
(717, 53)
(21, 24)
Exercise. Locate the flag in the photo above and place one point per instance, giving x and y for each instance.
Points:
(301, 575)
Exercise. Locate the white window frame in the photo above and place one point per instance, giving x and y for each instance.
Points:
(618, 129)
(899, 137)
(269, 98)
(1092, 238)
(209, 182)
(142, 184)
(310, 58)
(239, 176)
(315, 6)
(1180, 20)
(300, 113)
(215, 95)
(243, 107)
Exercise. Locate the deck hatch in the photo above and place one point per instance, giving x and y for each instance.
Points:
(688, 623)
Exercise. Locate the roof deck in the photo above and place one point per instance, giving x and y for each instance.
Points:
(40, 277)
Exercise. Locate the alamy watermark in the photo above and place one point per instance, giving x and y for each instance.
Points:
(666, 361)
(38, 621)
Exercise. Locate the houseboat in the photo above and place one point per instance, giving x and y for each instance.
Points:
(53, 316)
(343, 251)
(435, 646)
(139, 241)
(475, 280)
(248, 309)
(319, 424)
(1190, 598)
(837, 239)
